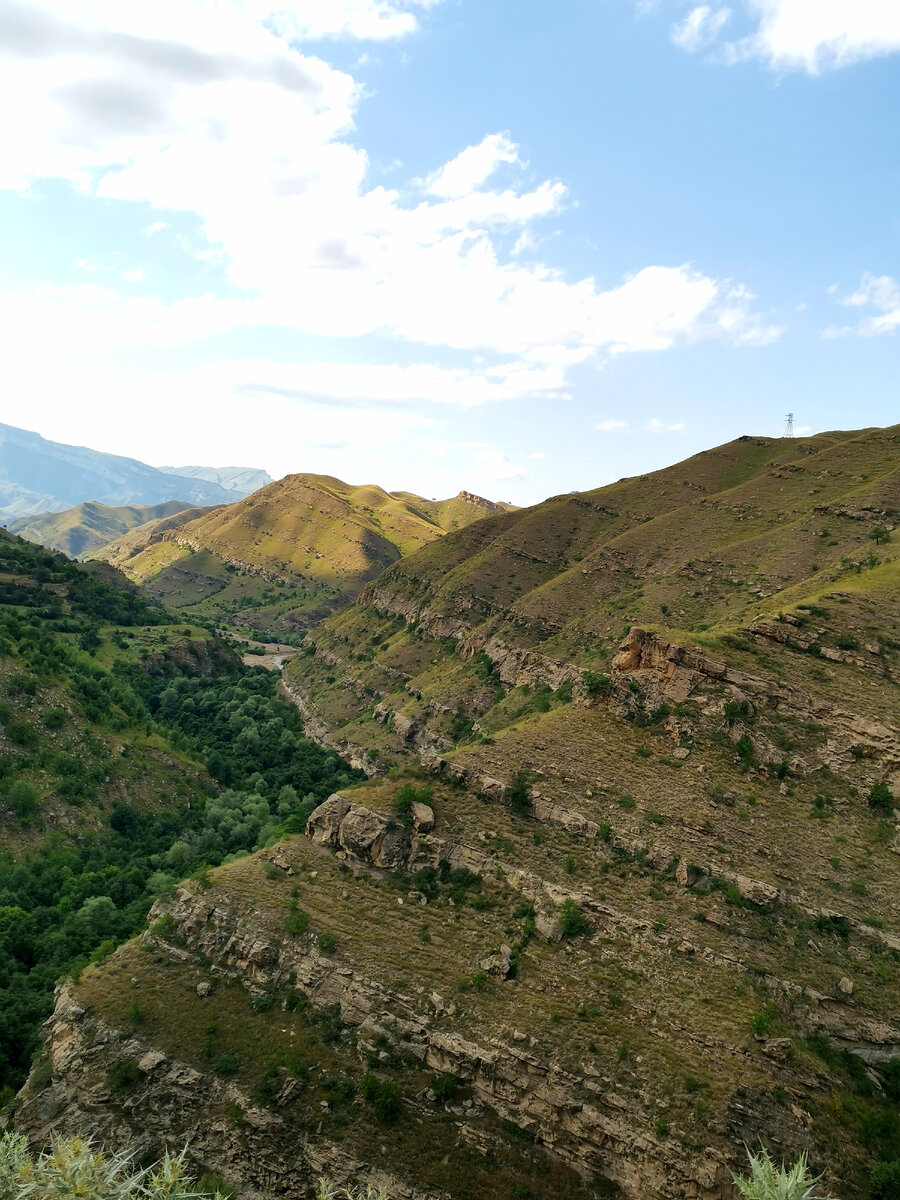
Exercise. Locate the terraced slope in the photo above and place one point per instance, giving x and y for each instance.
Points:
(290, 553)
(80, 531)
(699, 551)
(628, 903)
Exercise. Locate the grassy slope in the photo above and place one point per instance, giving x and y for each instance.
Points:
(80, 531)
(300, 546)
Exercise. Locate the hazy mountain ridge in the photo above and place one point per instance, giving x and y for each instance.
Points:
(240, 480)
(38, 476)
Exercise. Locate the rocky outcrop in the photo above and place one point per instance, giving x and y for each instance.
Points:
(363, 835)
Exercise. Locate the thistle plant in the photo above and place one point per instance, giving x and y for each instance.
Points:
(768, 1182)
(75, 1167)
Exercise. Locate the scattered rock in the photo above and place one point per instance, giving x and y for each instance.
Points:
(846, 986)
(204, 988)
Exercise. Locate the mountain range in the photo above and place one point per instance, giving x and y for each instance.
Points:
(288, 554)
(39, 476)
(616, 900)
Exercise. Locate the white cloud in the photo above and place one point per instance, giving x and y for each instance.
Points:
(799, 35)
(654, 425)
(537, 456)
(611, 425)
(375, 20)
(879, 292)
(213, 111)
(135, 275)
(472, 167)
(700, 28)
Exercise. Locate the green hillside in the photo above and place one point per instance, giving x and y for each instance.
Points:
(80, 531)
(287, 555)
(132, 749)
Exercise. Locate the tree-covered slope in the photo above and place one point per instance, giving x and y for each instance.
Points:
(132, 749)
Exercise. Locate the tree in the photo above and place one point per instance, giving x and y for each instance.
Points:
(880, 535)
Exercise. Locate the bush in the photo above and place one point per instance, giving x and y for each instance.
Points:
(297, 921)
(880, 797)
(226, 1064)
(327, 943)
(444, 1087)
(885, 1180)
(382, 1096)
(572, 921)
(22, 799)
(519, 794)
(262, 1003)
(595, 685)
(123, 1074)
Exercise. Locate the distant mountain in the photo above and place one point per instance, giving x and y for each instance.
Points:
(239, 480)
(290, 553)
(39, 476)
(80, 531)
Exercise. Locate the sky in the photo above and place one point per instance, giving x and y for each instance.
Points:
(515, 247)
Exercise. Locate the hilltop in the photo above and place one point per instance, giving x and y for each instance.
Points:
(80, 531)
(40, 476)
(619, 897)
(289, 554)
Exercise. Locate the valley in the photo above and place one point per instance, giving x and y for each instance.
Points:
(581, 875)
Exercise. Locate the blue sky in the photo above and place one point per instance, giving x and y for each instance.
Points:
(444, 244)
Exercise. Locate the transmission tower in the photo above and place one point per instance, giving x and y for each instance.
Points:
(789, 425)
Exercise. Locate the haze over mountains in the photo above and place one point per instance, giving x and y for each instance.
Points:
(38, 476)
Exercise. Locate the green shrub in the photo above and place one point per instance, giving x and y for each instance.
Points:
(163, 925)
(123, 1074)
(262, 1003)
(880, 797)
(22, 799)
(226, 1064)
(885, 1180)
(519, 794)
(327, 943)
(572, 921)
(382, 1096)
(444, 1087)
(595, 685)
(297, 921)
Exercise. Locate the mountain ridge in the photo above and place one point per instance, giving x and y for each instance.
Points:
(38, 475)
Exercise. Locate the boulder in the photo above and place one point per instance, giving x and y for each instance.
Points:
(372, 838)
(325, 821)
(422, 817)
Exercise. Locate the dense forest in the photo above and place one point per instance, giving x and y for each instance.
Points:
(102, 695)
